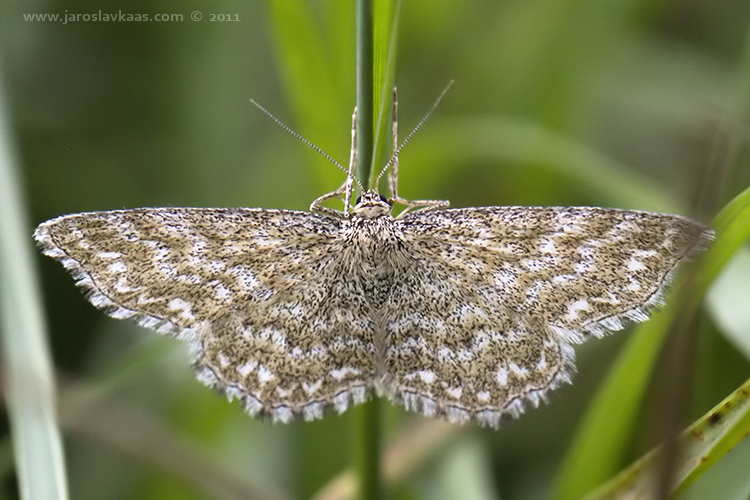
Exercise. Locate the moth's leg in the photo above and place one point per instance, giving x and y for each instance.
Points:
(316, 206)
(349, 184)
(346, 189)
(419, 205)
(393, 177)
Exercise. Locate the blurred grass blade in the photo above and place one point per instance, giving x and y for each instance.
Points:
(385, 33)
(317, 72)
(309, 74)
(702, 445)
(728, 301)
(406, 454)
(514, 141)
(466, 472)
(605, 432)
(29, 387)
(87, 411)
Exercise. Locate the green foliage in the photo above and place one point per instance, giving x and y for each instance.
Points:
(28, 383)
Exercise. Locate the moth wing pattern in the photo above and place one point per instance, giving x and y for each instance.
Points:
(499, 294)
(229, 281)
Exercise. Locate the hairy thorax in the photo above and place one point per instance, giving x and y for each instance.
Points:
(374, 253)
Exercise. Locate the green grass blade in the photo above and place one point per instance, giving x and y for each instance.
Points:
(605, 431)
(407, 454)
(28, 373)
(511, 141)
(311, 68)
(386, 17)
(307, 70)
(728, 301)
(702, 445)
(714, 435)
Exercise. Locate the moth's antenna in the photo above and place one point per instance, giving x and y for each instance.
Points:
(298, 136)
(411, 134)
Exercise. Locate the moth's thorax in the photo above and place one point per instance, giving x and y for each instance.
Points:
(371, 205)
(377, 244)
(375, 234)
(373, 255)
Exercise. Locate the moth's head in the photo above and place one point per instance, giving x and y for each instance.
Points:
(372, 204)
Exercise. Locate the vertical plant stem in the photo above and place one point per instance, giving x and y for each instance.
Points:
(365, 63)
(28, 382)
(367, 450)
(366, 417)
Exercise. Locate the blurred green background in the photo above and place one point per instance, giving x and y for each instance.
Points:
(629, 104)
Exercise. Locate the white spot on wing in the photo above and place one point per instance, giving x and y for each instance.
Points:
(122, 287)
(185, 308)
(341, 373)
(109, 255)
(427, 376)
(311, 389)
(117, 267)
(578, 305)
(634, 285)
(264, 375)
(222, 293)
(223, 359)
(483, 396)
(519, 371)
(283, 393)
(246, 368)
(546, 245)
(454, 392)
(610, 299)
(501, 376)
(583, 267)
(542, 365)
(636, 265)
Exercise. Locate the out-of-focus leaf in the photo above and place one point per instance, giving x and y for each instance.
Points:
(311, 69)
(702, 445)
(29, 386)
(386, 16)
(728, 301)
(727, 480)
(408, 452)
(508, 140)
(465, 472)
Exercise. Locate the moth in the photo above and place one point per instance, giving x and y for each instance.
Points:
(464, 313)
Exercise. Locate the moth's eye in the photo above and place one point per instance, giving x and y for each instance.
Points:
(359, 198)
(383, 199)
